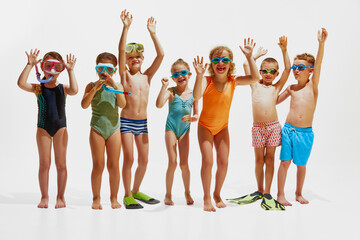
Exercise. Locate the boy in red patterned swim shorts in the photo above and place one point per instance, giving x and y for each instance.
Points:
(266, 130)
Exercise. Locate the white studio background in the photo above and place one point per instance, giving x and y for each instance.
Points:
(185, 29)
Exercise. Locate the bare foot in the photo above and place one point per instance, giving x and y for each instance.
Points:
(60, 203)
(301, 199)
(96, 205)
(44, 203)
(168, 201)
(219, 202)
(283, 201)
(114, 204)
(208, 207)
(189, 200)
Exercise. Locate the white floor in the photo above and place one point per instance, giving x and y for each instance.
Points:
(331, 214)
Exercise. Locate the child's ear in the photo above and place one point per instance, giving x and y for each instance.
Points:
(277, 73)
(189, 74)
(311, 70)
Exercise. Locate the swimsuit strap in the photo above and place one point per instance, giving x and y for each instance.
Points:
(175, 91)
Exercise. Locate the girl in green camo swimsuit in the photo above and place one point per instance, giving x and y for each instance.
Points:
(105, 127)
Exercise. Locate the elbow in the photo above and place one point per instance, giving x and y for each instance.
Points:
(83, 105)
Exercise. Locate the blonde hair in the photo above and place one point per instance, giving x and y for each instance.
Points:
(307, 57)
(221, 49)
(180, 61)
(270, 60)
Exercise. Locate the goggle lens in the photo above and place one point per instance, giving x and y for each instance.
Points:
(271, 71)
(182, 73)
(224, 60)
(100, 69)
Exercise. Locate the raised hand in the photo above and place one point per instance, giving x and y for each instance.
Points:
(260, 52)
(98, 84)
(151, 25)
(70, 62)
(322, 35)
(126, 18)
(32, 57)
(165, 82)
(199, 66)
(249, 45)
(283, 43)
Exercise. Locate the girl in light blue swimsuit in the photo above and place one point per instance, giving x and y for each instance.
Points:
(181, 101)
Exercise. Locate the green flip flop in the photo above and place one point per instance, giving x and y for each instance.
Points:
(250, 198)
(269, 203)
(131, 203)
(145, 198)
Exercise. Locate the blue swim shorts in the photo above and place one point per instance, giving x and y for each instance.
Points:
(296, 144)
(135, 127)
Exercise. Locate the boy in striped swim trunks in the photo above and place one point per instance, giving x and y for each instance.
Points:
(266, 130)
(134, 114)
(297, 134)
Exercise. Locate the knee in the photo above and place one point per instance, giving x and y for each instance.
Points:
(128, 161)
(112, 166)
(207, 162)
(61, 166)
(172, 164)
(143, 161)
(285, 164)
(44, 166)
(184, 166)
(259, 161)
(222, 163)
(269, 160)
(98, 167)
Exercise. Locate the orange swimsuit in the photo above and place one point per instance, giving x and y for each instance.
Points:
(216, 106)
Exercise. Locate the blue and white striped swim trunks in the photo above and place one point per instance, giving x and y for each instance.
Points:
(135, 127)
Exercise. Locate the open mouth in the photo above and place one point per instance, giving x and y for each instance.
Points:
(220, 69)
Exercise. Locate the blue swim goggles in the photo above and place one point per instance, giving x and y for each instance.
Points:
(182, 73)
(301, 67)
(101, 68)
(223, 59)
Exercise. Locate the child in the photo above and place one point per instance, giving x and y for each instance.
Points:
(133, 116)
(177, 127)
(297, 135)
(266, 130)
(105, 127)
(218, 90)
(51, 118)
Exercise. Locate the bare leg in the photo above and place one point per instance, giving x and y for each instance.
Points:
(283, 168)
(269, 170)
(171, 141)
(259, 167)
(113, 147)
(184, 166)
(97, 145)
(142, 145)
(43, 140)
(301, 172)
(127, 143)
(222, 146)
(60, 141)
(206, 146)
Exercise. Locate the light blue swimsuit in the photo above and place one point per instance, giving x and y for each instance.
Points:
(177, 109)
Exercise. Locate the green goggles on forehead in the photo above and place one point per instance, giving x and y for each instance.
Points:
(271, 71)
(134, 47)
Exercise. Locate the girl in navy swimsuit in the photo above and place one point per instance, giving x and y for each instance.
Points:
(51, 118)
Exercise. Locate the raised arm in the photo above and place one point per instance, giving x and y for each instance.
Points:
(164, 94)
(285, 75)
(284, 95)
(259, 53)
(254, 76)
(322, 35)
(89, 93)
(72, 88)
(150, 72)
(126, 18)
(200, 81)
(22, 81)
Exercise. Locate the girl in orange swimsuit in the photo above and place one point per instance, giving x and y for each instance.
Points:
(217, 91)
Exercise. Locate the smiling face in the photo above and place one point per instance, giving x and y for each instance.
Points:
(181, 80)
(268, 78)
(134, 60)
(304, 75)
(221, 68)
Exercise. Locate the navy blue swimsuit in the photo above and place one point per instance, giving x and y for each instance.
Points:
(51, 105)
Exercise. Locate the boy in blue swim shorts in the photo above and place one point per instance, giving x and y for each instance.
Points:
(297, 135)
